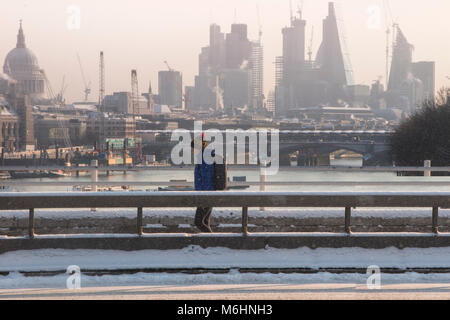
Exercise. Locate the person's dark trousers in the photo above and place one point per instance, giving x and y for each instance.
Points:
(203, 218)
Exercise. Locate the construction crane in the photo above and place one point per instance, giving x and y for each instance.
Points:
(388, 32)
(101, 96)
(389, 21)
(87, 86)
(310, 47)
(260, 33)
(300, 7)
(60, 96)
(290, 10)
(168, 66)
(59, 104)
(63, 89)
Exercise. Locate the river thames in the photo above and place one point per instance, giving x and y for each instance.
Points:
(338, 180)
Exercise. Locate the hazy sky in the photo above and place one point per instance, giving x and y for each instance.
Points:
(142, 34)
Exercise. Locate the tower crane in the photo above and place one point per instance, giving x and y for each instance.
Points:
(87, 86)
(300, 7)
(101, 98)
(168, 66)
(60, 96)
(310, 47)
(101, 80)
(59, 103)
(260, 33)
(290, 10)
(389, 21)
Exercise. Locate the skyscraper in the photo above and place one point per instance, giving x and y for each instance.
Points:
(236, 85)
(230, 71)
(401, 61)
(333, 56)
(409, 83)
(257, 75)
(293, 50)
(216, 51)
(22, 106)
(170, 84)
(293, 61)
(238, 47)
(302, 83)
(426, 72)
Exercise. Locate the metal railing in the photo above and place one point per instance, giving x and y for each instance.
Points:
(140, 200)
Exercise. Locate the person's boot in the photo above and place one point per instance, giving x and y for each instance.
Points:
(207, 219)
(200, 215)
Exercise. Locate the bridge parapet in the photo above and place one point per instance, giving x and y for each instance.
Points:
(139, 200)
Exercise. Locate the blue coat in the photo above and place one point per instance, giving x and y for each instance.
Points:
(204, 177)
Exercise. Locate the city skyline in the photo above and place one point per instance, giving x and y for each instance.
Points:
(125, 34)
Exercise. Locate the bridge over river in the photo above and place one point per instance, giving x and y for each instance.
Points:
(312, 147)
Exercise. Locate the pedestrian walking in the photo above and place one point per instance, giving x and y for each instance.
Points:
(208, 177)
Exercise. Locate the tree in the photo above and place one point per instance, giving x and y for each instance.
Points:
(425, 135)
